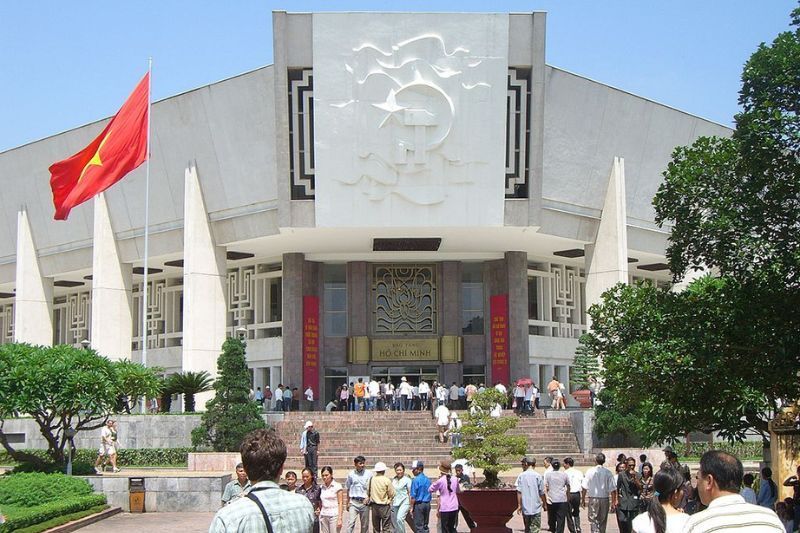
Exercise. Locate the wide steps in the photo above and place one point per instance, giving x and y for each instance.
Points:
(392, 436)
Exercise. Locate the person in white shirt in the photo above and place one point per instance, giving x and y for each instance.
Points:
(441, 395)
(424, 395)
(718, 485)
(662, 515)
(600, 488)
(442, 416)
(502, 389)
(405, 394)
(309, 394)
(374, 394)
(574, 497)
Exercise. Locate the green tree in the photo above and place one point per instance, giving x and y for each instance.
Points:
(723, 354)
(694, 360)
(189, 384)
(487, 443)
(231, 414)
(59, 387)
(136, 381)
(584, 366)
(734, 203)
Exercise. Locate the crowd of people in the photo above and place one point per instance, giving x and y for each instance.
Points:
(642, 499)
(320, 503)
(374, 394)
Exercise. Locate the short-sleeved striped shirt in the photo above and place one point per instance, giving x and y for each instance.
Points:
(732, 513)
(288, 512)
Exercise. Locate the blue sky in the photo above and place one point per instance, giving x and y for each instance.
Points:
(64, 64)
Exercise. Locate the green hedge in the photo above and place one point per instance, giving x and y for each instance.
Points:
(32, 489)
(41, 513)
(125, 456)
(61, 520)
(742, 450)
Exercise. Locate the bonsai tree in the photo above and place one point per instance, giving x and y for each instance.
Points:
(486, 440)
(585, 365)
(189, 384)
(231, 414)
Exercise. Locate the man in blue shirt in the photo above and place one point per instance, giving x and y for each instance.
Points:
(530, 495)
(420, 497)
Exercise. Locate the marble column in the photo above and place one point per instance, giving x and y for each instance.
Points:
(518, 347)
(33, 303)
(204, 271)
(112, 318)
(607, 258)
(293, 319)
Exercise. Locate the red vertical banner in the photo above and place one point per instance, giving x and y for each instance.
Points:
(498, 311)
(311, 344)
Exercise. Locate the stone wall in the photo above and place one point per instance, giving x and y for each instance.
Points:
(135, 431)
(165, 494)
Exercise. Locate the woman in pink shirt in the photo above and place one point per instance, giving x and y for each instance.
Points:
(447, 487)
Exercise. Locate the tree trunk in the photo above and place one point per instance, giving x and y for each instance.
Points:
(188, 402)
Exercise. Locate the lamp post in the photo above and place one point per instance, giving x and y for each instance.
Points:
(86, 344)
(70, 433)
(241, 332)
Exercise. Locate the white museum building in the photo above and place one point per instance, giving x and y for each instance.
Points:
(403, 194)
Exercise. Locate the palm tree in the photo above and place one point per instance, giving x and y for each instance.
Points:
(189, 384)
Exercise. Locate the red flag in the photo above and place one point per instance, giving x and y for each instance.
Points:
(120, 148)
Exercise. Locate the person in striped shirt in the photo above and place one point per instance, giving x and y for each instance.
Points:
(718, 484)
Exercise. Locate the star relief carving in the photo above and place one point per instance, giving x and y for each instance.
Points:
(391, 107)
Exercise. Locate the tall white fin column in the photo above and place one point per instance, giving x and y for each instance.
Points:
(112, 318)
(607, 258)
(33, 304)
(204, 269)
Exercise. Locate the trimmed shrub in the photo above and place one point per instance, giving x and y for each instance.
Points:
(742, 450)
(32, 489)
(79, 468)
(48, 511)
(62, 519)
(125, 456)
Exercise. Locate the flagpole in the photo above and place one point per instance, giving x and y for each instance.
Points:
(147, 212)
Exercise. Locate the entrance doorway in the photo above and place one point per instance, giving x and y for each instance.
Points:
(414, 374)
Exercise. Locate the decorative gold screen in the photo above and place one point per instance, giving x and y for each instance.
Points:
(404, 299)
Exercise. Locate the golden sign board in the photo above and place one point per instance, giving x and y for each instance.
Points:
(405, 350)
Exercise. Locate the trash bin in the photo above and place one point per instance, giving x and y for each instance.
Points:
(136, 494)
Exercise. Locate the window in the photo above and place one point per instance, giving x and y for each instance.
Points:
(472, 298)
(334, 379)
(475, 374)
(335, 301)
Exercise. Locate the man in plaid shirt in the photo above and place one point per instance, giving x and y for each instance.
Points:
(263, 455)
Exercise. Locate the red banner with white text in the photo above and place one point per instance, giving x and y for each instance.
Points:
(311, 344)
(498, 311)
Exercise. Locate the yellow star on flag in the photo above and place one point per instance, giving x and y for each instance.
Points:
(95, 160)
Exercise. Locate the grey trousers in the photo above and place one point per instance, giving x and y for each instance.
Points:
(361, 511)
(381, 518)
(598, 514)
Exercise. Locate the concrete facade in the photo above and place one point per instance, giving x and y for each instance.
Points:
(292, 190)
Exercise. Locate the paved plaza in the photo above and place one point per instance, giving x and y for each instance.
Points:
(199, 522)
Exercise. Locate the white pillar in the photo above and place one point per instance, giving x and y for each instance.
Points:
(607, 258)
(204, 270)
(33, 304)
(112, 319)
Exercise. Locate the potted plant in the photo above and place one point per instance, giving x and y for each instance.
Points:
(585, 367)
(487, 445)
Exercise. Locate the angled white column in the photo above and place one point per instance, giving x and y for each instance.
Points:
(33, 304)
(204, 309)
(112, 319)
(607, 258)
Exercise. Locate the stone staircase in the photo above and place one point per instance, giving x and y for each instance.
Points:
(391, 436)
